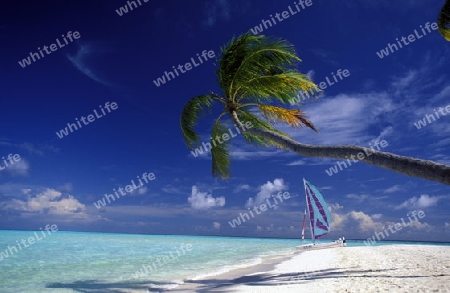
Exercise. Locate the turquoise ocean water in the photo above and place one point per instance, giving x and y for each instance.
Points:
(101, 262)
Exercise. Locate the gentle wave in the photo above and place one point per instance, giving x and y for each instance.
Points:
(227, 269)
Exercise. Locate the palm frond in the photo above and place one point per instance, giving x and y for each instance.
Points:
(231, 57)
(219, 151)
(245, 116)
(294, 117)
(267, 57)
(260, 68)
(193, 109)
(444, 21)
(283, 87)
(261, 142)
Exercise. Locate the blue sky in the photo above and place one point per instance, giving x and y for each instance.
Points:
(116, 58)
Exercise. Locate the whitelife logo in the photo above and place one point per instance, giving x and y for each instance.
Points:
(206, 146)
(90, 118)
(53, 48)
(10, 157)
(184, 68)
(321, 86)
(411, 38)
(263, 207)
(165, 260)
(129, 188)
(359, 157)
(124, 9)
(397, 226)
(281, 16)
(31, 240)
(423, 123)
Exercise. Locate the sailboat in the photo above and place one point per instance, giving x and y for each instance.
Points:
(319, 219)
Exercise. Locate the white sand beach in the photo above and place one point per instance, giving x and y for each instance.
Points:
(390, 268)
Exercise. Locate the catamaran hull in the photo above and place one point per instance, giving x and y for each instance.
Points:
(320, 246)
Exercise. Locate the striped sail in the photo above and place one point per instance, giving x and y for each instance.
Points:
(319, 216)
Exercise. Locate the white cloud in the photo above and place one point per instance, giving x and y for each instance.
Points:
(172, 189)
(356, 114)
(267, 190)
(377, 216)
(139, 191)
(216, 225)
(401, 83)
(252, 154)
(143, 190)
(366, 223)
(67, 187)
(359, 197)
(338, 222)
(393, 189)
(420, 225)
(443, 95)
(441, 158)
(384, 134)
(79, 60)
(441, 143)
(19, 168)
(39, 150)
(203, 201)
(424, 201)
(335, 207)
(241, 187)
(297, 163)
(311, 74)
(50, 201)
(310, 162)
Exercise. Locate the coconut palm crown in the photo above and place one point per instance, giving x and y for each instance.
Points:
(255, 72)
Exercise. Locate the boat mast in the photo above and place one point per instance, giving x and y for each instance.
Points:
(309, 212)
(304, 226)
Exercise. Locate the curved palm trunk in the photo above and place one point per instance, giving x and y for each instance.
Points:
(406, 165)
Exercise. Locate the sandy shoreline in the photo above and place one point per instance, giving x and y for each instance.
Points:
(390, 268)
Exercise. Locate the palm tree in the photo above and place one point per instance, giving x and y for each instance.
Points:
(255, 71)
(444, 21)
